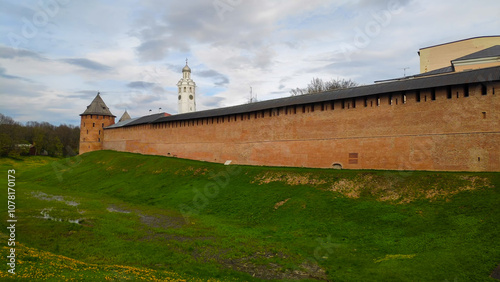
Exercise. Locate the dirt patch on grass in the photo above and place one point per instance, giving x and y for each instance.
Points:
(496, 273)
(289, 178)
(279, 204)
(257, 266)
(192, 171)
(162, 221)
(390, 188)
(397, 187)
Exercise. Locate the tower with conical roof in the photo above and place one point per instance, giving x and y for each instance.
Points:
(93, 121)
(125, 116)
(187, 87)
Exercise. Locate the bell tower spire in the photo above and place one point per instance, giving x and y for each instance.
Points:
(187, 87)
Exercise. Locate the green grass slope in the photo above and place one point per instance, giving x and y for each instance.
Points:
(119, 216)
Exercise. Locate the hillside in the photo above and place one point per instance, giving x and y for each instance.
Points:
(108, 215)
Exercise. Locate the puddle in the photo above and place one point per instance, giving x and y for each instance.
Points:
(45, 215)
(46, 197)
(115, 209)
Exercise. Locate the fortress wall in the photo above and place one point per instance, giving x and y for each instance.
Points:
(447, 133)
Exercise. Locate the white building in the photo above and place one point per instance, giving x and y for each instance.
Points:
(187, 87)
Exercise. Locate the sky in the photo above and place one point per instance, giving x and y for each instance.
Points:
(55, 55)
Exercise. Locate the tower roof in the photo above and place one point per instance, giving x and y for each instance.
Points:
(186, 68)
(125, 116)
(97, 107)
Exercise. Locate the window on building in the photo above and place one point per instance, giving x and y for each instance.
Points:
(484, 89)
(433, 94)
(390, 99)
(93, 124)
(102, 125)
(322, 106)
(366, 102)
(466, 90)
(484, 115)
(353, 158)
(417, 96)
(378, 100)
(448, 92)
(99, 132)
(404, 98)
(354, 103)
(87, 131)
(343, 104)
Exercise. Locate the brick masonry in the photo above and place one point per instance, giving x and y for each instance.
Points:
(92, 133)
(444, 131)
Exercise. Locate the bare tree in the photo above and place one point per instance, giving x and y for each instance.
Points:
(318, 85)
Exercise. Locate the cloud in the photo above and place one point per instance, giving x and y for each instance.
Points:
(86, 63)
(140, 84)
(210, 102)
(7, 76)
(153, 50)
(11, 53)
(221, 80)
(82, 94)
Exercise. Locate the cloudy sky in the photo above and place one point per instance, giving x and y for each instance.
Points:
(56, 54)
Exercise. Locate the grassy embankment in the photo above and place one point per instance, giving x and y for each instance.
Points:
(150, 217)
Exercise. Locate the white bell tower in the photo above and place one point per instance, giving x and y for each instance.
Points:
(186, 91)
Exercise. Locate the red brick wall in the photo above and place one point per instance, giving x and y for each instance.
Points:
(443, 134)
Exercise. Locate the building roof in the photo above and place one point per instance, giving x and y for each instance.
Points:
(491, 52)
(456, 78)
(122, 123)
(125, 116)
(444, 70)
(459, 41)
(138, 121)
(97, 107)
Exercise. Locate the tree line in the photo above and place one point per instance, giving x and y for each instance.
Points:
(40, 138)
(318, 85)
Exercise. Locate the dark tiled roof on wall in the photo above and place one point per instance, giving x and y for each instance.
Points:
(473, 76)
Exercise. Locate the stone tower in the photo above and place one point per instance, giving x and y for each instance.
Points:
(93, 120)
(187, 102)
